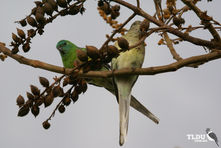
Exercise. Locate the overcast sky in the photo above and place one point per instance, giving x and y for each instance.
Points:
(187, 101)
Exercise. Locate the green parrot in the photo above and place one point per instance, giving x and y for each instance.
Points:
(68, 54)
(132, 58)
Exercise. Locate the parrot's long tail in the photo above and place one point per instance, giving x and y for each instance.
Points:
(124, 94)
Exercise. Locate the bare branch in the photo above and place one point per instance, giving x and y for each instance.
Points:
(204, 18)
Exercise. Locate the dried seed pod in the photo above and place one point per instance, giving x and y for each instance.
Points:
(26, 47)
(46, 124)
(145, 25)
(123, 43)
(57, 91)
(40, 10)
(112, 51)
(39, 102)
(31, 33)
(178, 21)
(83, 86)
(23, 111)
(29, 103)
(74, 10)
(21, 33)
(23, 22)
(15, 50)
(66, 101)
(40, 18)
(116, 8)
(62, 3)
(74, 95)
(30, 96)
(48, 100)
(48, 8)
(35, 90)
(44, 81)
(53, 4)
(20, 100)
(114, 14)
(35, 110)
(31, 21)
(61, 109)
(106, 8)
(92, 52)
(15, 37)
(33, 11)
(82, 55)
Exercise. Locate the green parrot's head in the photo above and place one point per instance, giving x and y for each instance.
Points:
(135, 25)
(64, 47)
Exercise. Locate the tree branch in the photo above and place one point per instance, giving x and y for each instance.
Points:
(186, 37)
(203, 17)
(137, 71)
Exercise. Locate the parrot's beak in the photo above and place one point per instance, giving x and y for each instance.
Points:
(60, 50)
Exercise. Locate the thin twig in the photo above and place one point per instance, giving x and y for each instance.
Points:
(117, 30)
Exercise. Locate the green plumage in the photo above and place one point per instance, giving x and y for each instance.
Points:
(68, 54)
(129, 59)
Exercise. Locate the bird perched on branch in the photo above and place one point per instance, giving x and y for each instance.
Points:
(132, 58)
(68, 54)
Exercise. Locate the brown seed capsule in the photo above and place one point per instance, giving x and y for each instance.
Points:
(15, 37)
(48, 8)
(116, 8)
(20, 100)
(92, 52)
(30, 96)
(40, 31)
(40, 10)
(23, 22)
(62, 3)
(106, 8)
(114, 14)
(40, 18)
(21, 33)
(46, 124)
(26, 47)
(100, 3)
(39, 102)
(31, 33)
(178, 21)
(83, 86)
(33, 11)
(112, 51)
(23, 111)
(82, 55)
(61, 109)
(57, 91)
(123, 43)
(15, 50)
(35, 90)
(31, 21)
(53, 4)
(74, 96)
(144, 26)
(66, 100)
(35, 110)
(48, 100)
(74, 10)
(44, 82)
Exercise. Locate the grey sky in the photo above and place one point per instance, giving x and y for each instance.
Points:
(187, 101)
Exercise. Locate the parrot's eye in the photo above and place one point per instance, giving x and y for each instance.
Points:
(64, 44)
